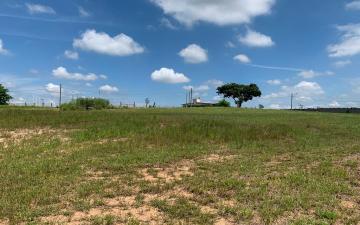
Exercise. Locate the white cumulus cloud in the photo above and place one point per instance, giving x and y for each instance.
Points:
(242, 58)
(166, 75)
(108, 89)
(224, 12)
(194, 54)
(340, 64)
(308, 74)
(274, 82)
(39, 9)
(349, 44)
(53, 89)
(274, 106)
(256, 39)
(354, 5)
(83, 12)
(167, 23)
(100, 42)
(201, 88)
(334, 104)
(3, 51)
(61, 72)
(304, 91)
(71, 55)
(215, 83)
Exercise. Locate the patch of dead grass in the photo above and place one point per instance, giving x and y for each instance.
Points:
(223, 221)
(214, 158)
(113, 140)
(168, 174)
(17, 136)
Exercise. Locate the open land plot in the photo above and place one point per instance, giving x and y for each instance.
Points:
(179, 166)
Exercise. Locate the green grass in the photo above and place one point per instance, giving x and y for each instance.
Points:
(272, 166)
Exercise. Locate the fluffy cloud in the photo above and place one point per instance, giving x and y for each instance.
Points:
(349, 45)
(225, 12)
(39, 9)
(201, 88)
(334, 104)
(167, 23)
(83, 12)
(166, 75)
(108, 89)
(242, 58)
(194, 54)
(34, 71)
(215, 83)
(274, 82)
(3, 51)
(256, 39)
(230, 44)
(354, 5)
(308, 74)
(62, 72)
(304, 90)
(120, 45)
(275, 106)
(340, 64)
(71, 55)
(305, 87)
(53, 89)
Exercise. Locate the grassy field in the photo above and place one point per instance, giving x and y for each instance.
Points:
(179, 166)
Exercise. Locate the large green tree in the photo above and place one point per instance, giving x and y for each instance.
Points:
(239, 92)
(4, 95)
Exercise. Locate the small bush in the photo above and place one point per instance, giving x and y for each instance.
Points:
(223, 103)
(86, 104)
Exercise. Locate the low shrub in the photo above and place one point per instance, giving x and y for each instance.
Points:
(86, 104)
(223, 103)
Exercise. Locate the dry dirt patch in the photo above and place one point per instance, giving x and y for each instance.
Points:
(144, 214)
(277, 160)
(17, 136)
(179, 170)
(4, 222)
(213, 158)
(223, 221)
(348, 204)
(114, 140)
(168, 174)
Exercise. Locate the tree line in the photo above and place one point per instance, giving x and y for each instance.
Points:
(240, 93)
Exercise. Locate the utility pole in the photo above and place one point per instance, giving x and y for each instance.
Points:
(191, 97)
(60, 98)
(292, 99)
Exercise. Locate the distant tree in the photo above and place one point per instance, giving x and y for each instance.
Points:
(261, 106)
(86, 104)
(4, 95)
(223, 103)
(239, 92)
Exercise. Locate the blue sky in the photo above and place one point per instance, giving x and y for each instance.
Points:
(132, 49)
